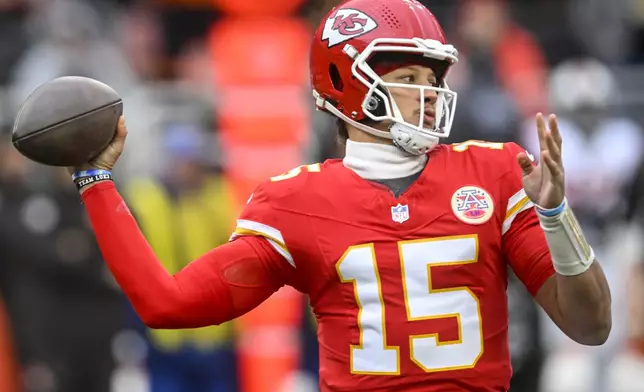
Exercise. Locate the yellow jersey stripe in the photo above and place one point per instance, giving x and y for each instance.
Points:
(241, 232)
(517, 207)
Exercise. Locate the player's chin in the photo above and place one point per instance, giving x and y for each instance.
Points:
(429, 123)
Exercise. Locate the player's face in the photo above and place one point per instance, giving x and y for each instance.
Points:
(408, 100)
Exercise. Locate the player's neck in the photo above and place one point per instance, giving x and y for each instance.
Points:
(375, 161)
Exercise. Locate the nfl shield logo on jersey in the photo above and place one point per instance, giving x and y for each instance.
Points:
(400, 213)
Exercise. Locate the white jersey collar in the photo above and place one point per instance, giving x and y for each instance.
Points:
(375, 161)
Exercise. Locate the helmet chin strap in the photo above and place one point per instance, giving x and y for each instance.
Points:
(410, 140)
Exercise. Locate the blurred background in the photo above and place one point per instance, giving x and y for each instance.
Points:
(217, 99)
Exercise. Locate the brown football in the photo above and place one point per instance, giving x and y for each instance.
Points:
(67, 121)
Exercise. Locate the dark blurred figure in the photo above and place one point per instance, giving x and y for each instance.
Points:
(635, 22)
(183, 214)
(184, 24)
(64, 307)
(524, 335)
(8, 366)
(626, 371)
(500, 76)
(13, 36)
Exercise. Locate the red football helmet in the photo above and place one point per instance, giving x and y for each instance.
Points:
(351, 38)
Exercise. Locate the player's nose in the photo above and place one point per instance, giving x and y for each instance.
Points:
(429, 96)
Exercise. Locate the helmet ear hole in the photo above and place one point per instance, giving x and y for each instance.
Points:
(336, 79)
(376, 105)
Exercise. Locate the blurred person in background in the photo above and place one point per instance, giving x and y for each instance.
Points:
(626, 371)
(64, 306)
(500, 75)
(602, 153)
(603, 148)
(13, 36)
(184, 27)
(70, 37)
(166, 45)
(184, 213)
(602, 28)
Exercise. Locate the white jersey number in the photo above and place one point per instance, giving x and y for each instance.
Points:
(417, 258)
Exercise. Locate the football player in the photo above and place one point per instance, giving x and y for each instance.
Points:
(402, 246)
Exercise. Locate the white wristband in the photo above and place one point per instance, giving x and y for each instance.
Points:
(571, 253)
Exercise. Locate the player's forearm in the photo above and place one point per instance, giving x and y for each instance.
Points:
(584, 303)
(582, 296)
(161, 300)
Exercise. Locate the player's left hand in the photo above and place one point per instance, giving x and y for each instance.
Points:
(544, 183)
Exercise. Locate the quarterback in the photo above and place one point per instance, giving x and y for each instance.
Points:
(403, 246)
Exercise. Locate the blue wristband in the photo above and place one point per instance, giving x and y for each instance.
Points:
(90, 173)
(552, 211)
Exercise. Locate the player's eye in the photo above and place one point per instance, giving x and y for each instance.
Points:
(407, 78)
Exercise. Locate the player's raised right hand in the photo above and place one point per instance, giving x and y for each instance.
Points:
(108, 157)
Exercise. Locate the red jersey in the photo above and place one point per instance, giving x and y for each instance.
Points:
(409, 292)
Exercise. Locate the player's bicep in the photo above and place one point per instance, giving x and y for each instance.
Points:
(526, 249)
(252, 281)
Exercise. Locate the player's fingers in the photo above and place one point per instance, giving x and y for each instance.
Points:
(118, 142)
(554, 168)
(525, 163)
(553, 148)
(121, 129)
(554, 128)
(541, 131)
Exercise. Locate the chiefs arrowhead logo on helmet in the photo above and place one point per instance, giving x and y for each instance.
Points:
(345, 24)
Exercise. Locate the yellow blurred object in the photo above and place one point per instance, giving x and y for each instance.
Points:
(181, 230)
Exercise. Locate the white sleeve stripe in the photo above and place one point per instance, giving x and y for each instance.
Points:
(272, 235)
(261, 228)
(518, 203)
(282, 251)
(509, 219)
(515, 200)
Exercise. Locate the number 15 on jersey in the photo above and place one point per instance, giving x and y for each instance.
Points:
(372, 355)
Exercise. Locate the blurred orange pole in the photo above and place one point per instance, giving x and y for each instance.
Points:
(260, 57)
(8, 365)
